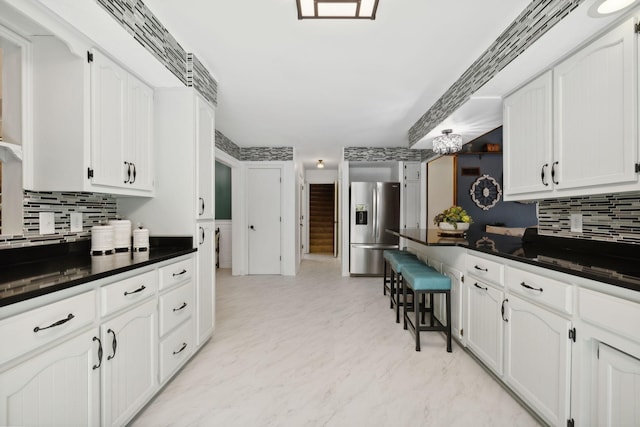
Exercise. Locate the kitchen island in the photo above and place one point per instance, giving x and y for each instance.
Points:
(554, 319)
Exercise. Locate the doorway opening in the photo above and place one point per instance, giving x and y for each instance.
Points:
(322, 218)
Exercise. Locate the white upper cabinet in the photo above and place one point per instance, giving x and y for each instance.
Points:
(595, 113)
(528, 132)
(573, 130)
(205, 142)
(121, 123)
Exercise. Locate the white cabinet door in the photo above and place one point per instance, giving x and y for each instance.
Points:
(412, 171)
(595, 113)
(108, 118)
(618, 388)
(205, 132)
(138, 151)
(484, 326)
(538, 358)
(56, 388)
(456, 301)
(129, 366)
(411, 204)
(206, 285)
(528, 139)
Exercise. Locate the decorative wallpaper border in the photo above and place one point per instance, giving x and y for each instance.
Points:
(135, 17)
(606, 217)
(96, 208)
(199, 77)
(380, 154)
(266, 154)
(533, 22)
(226, 145)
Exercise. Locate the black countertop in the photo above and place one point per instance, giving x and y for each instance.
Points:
(613, 263)
(30, 272)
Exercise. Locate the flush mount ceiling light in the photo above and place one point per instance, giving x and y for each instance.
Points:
(337, 9)
(606, 7)
(320, 164)
(447, 143)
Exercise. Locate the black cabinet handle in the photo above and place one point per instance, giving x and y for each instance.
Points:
(134, 173)
(140, 289)
(128, 166)
(201, 205)
(543, 174)
(502, 310)
(201, 235)
(481, 269)
(54, 324)
(184, 345)
(524, 285)
(99, 353)
(480, 287)
(180, 274)
(114, 344)
(553, 173)
(182, 307)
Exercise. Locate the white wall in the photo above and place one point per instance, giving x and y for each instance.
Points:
(321, 176)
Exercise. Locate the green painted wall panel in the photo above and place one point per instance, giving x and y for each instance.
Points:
(223, 191)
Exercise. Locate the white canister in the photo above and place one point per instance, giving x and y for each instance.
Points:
(121, 234)
(102, 240)
(141, 239)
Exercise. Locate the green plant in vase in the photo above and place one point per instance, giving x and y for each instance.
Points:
(454, 218)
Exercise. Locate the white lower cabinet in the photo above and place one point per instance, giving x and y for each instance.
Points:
(59, 387)
(618, 391)
(538, 358)
(484, 328)
(129, 371)
(175, 349)
(205, 291)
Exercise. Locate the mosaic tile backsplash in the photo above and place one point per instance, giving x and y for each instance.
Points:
(266, 154)
(199, 77)
(139, 21)
(95, 209)
(607, 217)
(378, 154)
(532, 23)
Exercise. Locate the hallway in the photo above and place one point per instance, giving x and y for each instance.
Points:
(319, 349)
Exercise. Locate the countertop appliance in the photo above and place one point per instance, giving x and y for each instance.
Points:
(374, 207)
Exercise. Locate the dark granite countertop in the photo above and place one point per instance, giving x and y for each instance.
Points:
(30, 272)
(613, 263)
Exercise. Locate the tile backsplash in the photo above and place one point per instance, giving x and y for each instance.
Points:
(95, 208)
(606, 217)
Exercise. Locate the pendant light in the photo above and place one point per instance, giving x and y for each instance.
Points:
(447, 143)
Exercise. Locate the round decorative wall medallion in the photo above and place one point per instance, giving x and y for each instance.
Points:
(485, 192)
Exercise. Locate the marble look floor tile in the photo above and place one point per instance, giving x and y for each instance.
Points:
(320, 349)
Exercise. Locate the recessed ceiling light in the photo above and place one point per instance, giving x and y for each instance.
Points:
(320, 164)
(606, 7)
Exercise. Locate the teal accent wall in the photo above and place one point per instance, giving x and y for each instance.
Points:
(223, 191)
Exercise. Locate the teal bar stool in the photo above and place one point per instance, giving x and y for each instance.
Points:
(389, 255)
(422, 281)
(398, 265)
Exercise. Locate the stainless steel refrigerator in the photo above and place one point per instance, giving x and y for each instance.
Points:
(375, 207)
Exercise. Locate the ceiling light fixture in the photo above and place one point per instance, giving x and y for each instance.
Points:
(606, 7)
(337, 9)
(320, 164)
(447, 143)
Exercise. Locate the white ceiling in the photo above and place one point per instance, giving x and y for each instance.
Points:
(320, 85)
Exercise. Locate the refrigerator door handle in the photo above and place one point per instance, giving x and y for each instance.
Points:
(375, 213)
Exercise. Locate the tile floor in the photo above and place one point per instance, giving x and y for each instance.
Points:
(320, 349)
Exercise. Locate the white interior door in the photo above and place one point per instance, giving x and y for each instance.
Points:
(264, 220)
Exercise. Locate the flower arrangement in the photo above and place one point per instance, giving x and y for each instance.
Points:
(453, 216)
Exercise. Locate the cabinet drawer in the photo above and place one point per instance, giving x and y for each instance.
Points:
(546, 291)
(127, 292)
(176, 273)
(615, 314)
(175, 307)
(175, 349)
(32, 329)
(491, 271)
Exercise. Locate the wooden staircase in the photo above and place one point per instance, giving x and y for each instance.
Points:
(321, 218)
